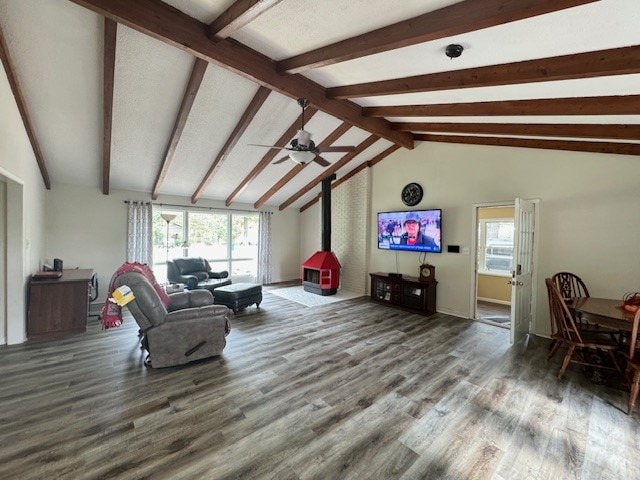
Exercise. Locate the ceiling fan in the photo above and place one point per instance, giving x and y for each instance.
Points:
(302, 150)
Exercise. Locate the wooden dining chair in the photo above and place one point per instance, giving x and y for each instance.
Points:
(580, 345)
(633, 363)
(570, 285)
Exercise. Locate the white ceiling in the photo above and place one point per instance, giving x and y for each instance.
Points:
(56, 47)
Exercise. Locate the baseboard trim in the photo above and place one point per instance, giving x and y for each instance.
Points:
(284, 282)
(455, 314)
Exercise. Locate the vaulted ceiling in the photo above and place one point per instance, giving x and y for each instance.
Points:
(167, 97)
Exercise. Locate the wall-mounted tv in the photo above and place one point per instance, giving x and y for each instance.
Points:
(415, 230)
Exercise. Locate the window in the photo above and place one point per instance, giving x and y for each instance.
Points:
(495, 252)
(229, 241)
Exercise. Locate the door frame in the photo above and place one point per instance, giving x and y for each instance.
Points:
(15, 291)
(474, 255)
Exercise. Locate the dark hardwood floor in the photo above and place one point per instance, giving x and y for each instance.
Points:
(353, 390)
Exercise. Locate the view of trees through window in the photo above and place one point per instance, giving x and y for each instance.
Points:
(229, 241)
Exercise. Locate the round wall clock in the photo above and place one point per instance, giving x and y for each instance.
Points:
(412, 194)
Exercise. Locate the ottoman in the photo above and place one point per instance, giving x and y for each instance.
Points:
(238, 295)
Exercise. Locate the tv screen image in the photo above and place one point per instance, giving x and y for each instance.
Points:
(415, 231)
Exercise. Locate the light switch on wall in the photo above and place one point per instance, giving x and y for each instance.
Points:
(465, 250)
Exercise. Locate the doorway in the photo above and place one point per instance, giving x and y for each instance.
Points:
(494, 234)
(12, 305)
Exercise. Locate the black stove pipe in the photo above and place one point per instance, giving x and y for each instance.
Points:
(326, 212)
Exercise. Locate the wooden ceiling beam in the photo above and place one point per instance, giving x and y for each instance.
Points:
(615, 61)
(240, 13)
(283, 141)
(355, 171)
(108, 71)
(330, 170)
(193, 86)
(609, 105)
(165, 23)
(332, 137)
(575, 146)
(22, 108)
(247, 117)
(311, 202)
(585, 130)
(453, 20)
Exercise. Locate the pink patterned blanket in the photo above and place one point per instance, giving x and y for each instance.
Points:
(111, 315)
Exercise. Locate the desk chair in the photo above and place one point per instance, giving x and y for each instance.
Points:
(93, 294)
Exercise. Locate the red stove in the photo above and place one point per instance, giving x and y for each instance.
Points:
(321, 271)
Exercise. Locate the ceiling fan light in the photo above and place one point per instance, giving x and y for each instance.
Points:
(302, 157)
(303, 137)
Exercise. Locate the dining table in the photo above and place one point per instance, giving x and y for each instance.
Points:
(609, 311)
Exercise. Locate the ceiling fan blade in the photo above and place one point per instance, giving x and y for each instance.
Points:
(283, 159)
(321, 161)
(337, 149)
(268, 146)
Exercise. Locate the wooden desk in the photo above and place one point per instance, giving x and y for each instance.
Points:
(609, 311)
(59, 306)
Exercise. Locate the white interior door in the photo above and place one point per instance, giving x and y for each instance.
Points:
(522, 273)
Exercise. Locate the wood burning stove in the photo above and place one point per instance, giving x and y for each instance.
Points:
(321, 271)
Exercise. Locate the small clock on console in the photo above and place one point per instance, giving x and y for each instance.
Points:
(427, 273)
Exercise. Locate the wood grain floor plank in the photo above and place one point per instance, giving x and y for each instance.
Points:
(347, 390)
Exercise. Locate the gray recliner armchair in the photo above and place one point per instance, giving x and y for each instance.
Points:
(190, 328)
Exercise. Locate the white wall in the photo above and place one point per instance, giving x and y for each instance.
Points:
(589, 222)
(310, 233)
(24, 215)
(88, 229)
(350, 230)
(285, 245)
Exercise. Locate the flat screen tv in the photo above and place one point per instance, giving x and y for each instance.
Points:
(415, 230)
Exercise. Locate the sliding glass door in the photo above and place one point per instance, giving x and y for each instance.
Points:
(244, 247)
(229, 241)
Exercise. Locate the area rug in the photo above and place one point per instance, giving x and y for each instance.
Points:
(298, 295)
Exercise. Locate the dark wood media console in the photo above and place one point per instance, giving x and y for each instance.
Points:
(407, 293)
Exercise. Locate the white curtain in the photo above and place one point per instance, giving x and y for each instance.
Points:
(139, 233)
(264, 248)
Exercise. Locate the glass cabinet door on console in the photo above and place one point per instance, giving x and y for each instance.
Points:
(385, 291)
(413, 297)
